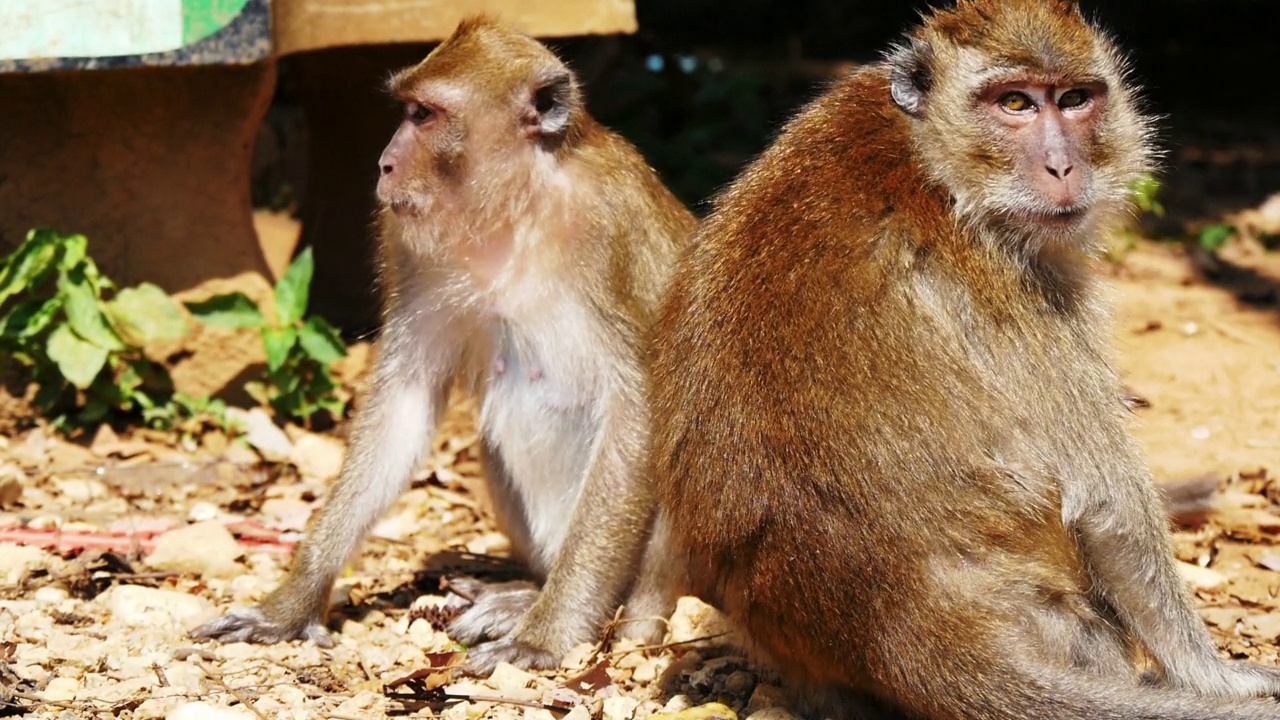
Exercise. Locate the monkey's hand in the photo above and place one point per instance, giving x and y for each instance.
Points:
(492, 610)
(256, 625)
(483, 658)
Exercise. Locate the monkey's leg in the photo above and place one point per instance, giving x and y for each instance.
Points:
(598, 557)
(392, 428)
(1122, 528)
(493, 609)
(652, 598)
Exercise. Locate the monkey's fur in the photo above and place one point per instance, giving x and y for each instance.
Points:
(888, 437)
(524, 249)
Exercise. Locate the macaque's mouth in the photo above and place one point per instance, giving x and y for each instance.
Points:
(1060, 217)
(402, 206)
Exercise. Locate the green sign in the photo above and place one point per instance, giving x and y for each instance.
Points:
(202, 18)
(58, 34)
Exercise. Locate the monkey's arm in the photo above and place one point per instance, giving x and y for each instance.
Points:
(1122, 525)
(601, 551)
(399, 415)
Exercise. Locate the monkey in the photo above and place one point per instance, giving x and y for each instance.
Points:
(523, 250)
(888, 438)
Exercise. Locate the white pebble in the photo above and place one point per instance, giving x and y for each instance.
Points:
(61, 689)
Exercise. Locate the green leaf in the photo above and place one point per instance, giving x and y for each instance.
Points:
(29, 318)
(233, 310)
(84, 312)
(73, 250)
(79, 361)
(293, 289)
(144, 314)
(321, 341)
(32, 258)
(1214, 236)
(278, 342)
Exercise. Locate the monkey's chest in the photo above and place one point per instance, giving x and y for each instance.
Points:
(538, 420)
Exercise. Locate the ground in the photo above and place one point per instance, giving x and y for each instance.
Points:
(112, 547)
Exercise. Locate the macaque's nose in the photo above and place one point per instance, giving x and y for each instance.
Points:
(1059, 170)
(388, 167)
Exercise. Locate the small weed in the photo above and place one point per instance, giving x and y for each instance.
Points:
(81, 336)
(1212, 237)
(1145, 192)
(300, 350)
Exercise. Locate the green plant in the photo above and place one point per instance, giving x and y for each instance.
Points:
(1145, 192)
(1212, 237)
(300, 350)
(80, 335)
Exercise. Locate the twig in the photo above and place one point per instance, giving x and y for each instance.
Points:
(160, 676)
(505, 701)
(41, 701)
(216, 676)
(667, 646)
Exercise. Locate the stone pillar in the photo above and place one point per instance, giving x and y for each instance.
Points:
(151, 163)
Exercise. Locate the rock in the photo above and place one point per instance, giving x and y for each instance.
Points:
(262, 433)
(579, 712)
(80, 491)
(287, 513)
(317, 456)
(10, 489)
(620, 708)
(206, 549)
(507, 677)
(203, 512)
(695, 619)
(137, 606)
(710, 711)
(201, 710)
(61, 689)
(740, 683)
(766, 696)
(49, 595)
(647, 671)
(17, 560)
(1201, 578)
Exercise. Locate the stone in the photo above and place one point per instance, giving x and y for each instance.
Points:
(206, 549)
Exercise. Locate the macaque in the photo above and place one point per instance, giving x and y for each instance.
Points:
(887, 435)
(524, 250)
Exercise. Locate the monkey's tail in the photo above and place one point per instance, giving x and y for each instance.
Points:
(1021, 694)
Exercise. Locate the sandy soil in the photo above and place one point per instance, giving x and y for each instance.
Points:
(112, 547)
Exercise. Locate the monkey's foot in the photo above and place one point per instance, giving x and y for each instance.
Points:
(253, 626)
(492, 611)
(483, 658)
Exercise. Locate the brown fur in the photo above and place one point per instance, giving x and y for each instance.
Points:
(888, 439)
(524, 249)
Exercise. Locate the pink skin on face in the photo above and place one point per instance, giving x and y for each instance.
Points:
(1051, 125)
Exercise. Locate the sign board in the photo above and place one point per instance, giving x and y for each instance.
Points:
(75, 34)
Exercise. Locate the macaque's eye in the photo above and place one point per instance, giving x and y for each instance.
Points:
(1015, 102)
(417, 113)
(1073, 98)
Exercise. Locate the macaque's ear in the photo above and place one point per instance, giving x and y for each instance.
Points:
(910, 76)
(553, 103)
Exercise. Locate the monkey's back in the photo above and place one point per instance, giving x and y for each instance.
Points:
(825, 377)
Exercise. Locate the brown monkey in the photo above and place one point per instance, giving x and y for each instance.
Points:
(886, 434)
(524, 249)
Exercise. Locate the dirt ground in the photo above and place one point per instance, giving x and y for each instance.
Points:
(112, 547)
